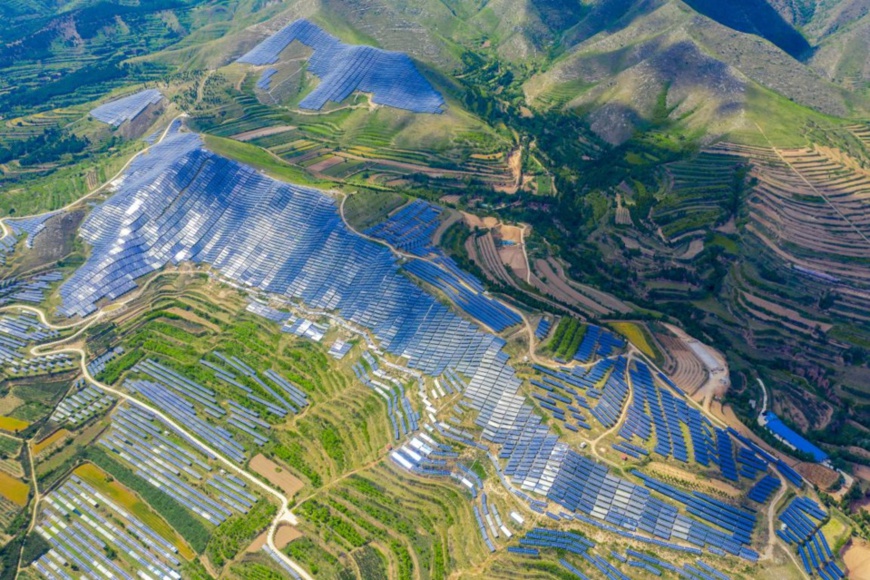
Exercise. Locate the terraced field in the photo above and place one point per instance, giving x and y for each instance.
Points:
(702, 191)
(375, 507)
(813, 203)
(684, 368)
(356, 144)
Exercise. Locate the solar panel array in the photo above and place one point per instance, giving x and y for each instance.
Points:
(30, 226)
(543, 328)
(790, 474)
(266, 79)
(391, 77)
(803, 518)
(81, 524)
(655, 410)
(139, 439)
(410, 230)
(598, 341)
(80, 405)
(27, 289)
(586, 487)
(565, 543)
(97, 365)
(402, 416)
(16, 331)
(738, 521)
(613, 395)
(127, 108)
(764, 488)
(424, 456)
(181, 202)
(281, 562)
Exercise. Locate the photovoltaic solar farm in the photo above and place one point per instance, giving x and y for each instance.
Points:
(128, 108)
(175, 467)
(571, 443)
(392, 78)
(410, 229)
(801, 521)
(86, 530)
(434, 290)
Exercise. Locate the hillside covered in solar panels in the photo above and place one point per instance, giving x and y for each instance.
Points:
(457, 399)
(390, 77)
(433, 290)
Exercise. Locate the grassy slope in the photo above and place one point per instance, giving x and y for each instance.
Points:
(260, 159)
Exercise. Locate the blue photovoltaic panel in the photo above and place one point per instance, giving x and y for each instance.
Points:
(391, 77)
(127, 108)
(801, 527)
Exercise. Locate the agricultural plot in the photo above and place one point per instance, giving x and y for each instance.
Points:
(823, 219)
(13, 489)
(805, 235)
(382, 148)
(483, 251)
(391, 78)
(550, 279)
(639, 335)
(8, 511)
(862, 132)
(684, 367)
(390, 521)
(9, 451)
(702, 191)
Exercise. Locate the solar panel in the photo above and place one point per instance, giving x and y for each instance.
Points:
(391, 77)
(127, 108)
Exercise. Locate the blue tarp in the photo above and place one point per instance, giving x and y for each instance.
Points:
(780, 429)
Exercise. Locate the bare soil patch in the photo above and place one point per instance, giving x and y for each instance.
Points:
(511, 233)
(54, 242)
(857, 558)
(818, 474)
(325, 164)
(514, 257)
(558, 287)
(9, 403)
(193, 317)
(284, 535)
(258, 542)
(862, 472)
(276, 475)
(474, 221)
